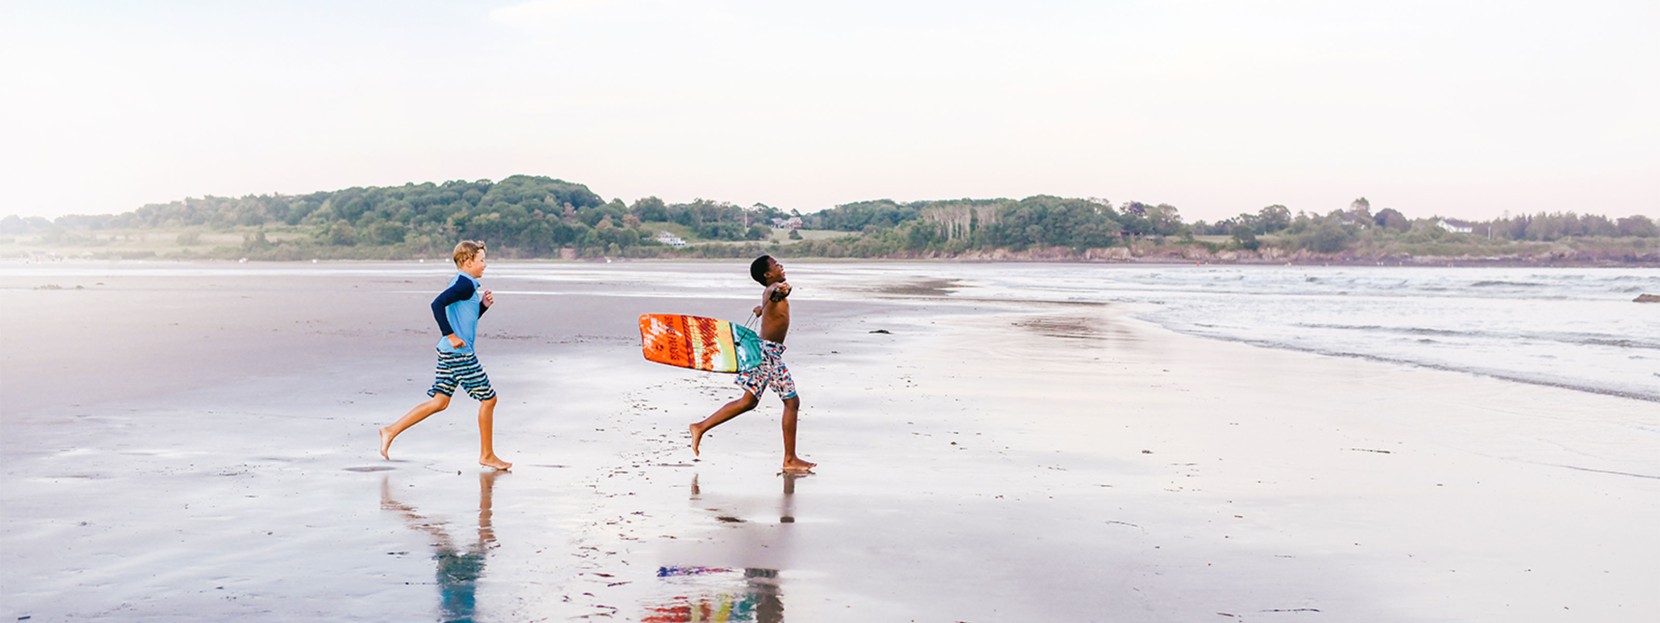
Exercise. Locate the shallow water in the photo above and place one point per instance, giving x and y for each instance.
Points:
(1576, 328)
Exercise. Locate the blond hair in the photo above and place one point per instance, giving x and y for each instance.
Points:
(466, 250)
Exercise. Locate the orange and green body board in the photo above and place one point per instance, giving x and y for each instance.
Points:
(698, 343)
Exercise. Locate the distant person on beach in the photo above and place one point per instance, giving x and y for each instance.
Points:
(774, 311)
(457, 310)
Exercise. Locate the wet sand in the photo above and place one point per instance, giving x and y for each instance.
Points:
(203, 447)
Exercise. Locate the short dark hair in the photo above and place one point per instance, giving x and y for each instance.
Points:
(758, 269)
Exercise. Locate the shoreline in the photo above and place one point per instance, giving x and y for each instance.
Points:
(1426, 261)
(1597, 391)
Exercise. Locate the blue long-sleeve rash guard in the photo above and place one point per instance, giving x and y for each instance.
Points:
(454, 311)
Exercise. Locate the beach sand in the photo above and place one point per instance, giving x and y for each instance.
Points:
(202, 446)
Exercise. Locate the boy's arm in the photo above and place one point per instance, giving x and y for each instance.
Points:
(778, 291)
(773, 294)
(461, 291)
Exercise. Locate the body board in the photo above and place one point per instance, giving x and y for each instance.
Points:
(698, 343)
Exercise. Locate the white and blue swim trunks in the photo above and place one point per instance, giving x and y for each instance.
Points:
(464, 370)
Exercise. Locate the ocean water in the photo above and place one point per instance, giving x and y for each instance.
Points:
(1575, 328)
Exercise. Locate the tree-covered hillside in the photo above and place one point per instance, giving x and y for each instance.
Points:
(540, 217)
(520, 216)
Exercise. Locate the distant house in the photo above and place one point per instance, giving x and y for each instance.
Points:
(793, 222)
(670, 239)
(1457, 227)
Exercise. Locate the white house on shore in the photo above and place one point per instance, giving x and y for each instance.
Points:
(1455, 227)
(670, 239)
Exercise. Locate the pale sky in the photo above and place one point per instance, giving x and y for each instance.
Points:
(1465, 109)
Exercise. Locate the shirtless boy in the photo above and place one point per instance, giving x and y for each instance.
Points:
(774, 311)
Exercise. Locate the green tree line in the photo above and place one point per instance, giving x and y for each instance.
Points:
(1340, 230)
(523, 216)
(532, 216)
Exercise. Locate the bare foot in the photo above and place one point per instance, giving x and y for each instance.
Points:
(385, 444)
(697, 437)
(494, 461)
(798, 466)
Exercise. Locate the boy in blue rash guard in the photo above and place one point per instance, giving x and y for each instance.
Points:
(457, 310)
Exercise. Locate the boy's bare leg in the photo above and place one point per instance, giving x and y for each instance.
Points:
(439, 402)
(792, 463)
(486, 432)
(726, 412)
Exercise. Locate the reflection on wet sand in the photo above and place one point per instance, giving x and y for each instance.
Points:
(458, 570)
(786, 503)
(759, 600)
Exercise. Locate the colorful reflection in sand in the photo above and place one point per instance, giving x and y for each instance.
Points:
(720, 594)
(758, 599)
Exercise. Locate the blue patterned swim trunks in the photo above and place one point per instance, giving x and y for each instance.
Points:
(461, 369)
(771, 373)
